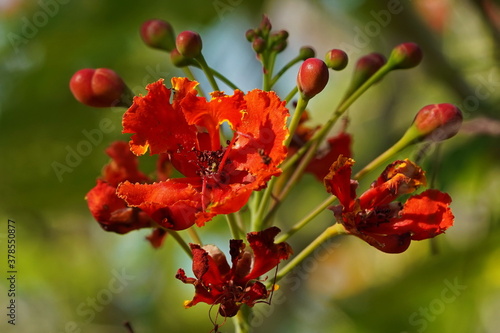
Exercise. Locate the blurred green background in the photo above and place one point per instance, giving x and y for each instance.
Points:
(74, 277)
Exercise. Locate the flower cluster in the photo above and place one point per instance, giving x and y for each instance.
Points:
(221, 155)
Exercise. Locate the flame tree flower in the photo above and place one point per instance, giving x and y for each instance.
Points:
(231, 286)
(108, 209)
(219, 179)
(382, 222)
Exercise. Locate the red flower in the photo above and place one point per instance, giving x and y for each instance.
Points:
(339, 144)
(218, 178)
(376, 218)
(216, 282)
(108, 209)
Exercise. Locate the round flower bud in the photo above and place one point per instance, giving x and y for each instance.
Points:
(437, 122)
(312, 77)
(306, 52)
(406, 55)
(100, 87)
(259, 45)
(158, 34)
(189, 44)
(336, 59)
(250, 35)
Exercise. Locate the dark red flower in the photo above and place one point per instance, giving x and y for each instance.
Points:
(108, 209)
(233, 284)
(219, 178)
(379, 220)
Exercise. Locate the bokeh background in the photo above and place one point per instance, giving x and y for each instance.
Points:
(74, 277)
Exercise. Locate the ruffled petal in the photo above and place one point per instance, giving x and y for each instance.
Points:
(173, 203)
(398, 178)
(158, 125)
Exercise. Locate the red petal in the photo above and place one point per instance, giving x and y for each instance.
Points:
(267, 254)
(157, 237)
(426, 215)
(124, 165)
(337, 145)
(112, 212)
(157, 124)
(173, 203)
(398, 178)
(210, 115)
(259, 147)
(338, 182)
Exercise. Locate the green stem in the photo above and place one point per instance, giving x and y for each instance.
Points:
(294, 123)
(224, 79)
(335, 230)
(407, 139)
(181, 242)
(233, 226)
(297, 173)
(194, 236)
(258, 218)
(302, 223)
(291, 94)
(208, 72)
(343, 106)
(241, 324)
(284, 69)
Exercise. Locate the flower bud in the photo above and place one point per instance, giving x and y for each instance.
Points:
(158, 34)
(100, 87)
(406, 55)
(312, 77)
(265, 25)
(259, 45)
(250, 35)
(336, 59)
(366, 66)
(178, 60)
(189, 44)
(306, 52)
(437, 122)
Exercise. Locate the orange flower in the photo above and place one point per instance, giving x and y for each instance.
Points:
(218, 178)
(379, 220)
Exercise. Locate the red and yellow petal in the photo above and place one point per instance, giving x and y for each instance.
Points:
(157, 125)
